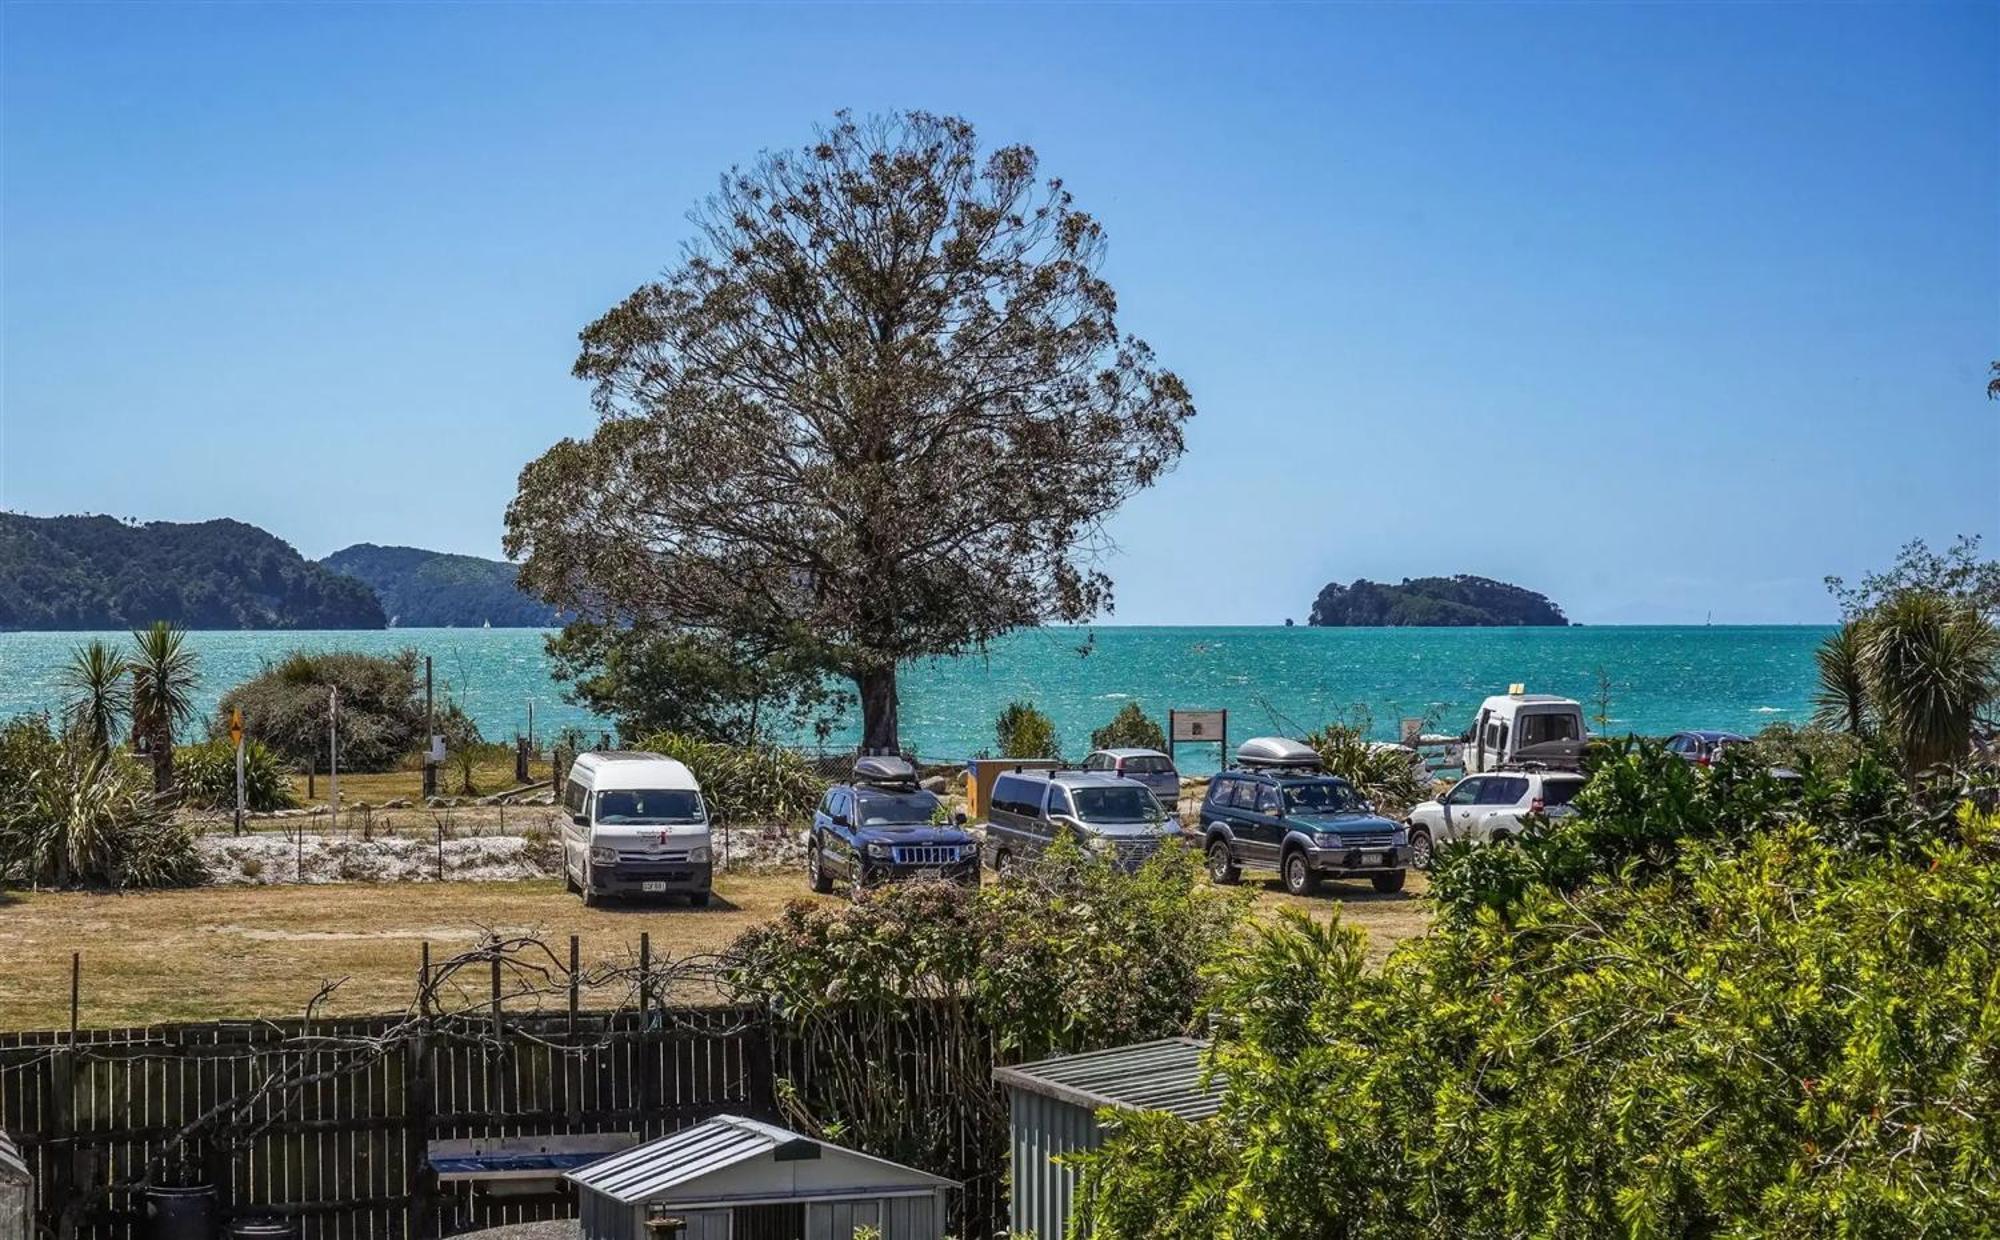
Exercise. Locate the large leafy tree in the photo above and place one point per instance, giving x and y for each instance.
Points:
(878, 413)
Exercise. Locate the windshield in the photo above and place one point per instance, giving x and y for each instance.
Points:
(1541, 729)
(1115, 804)
(1322, 797)
(892, 809)
(648, 806)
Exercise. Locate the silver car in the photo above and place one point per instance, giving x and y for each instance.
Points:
(1142, 766)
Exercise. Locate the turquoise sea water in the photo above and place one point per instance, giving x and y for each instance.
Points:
(1269, 679)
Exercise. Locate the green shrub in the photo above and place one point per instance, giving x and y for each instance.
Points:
(381, 707)
(745, 784)
(1781, 1037)
(1385, 776)
(1070, 955)
(1130, 728)
(72, 814)
(1024, 732)
(1825, 750)
(207, 776)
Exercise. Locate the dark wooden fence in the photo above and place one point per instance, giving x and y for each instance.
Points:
(327, 1121)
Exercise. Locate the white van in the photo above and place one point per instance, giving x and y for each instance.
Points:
(1517, 728)
(637, 826)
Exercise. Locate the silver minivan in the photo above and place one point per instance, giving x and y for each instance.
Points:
(1112, 817)
(1142, 766)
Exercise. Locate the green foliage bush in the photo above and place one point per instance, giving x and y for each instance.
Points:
(1067, 956)
(1385, 776)
(381, 707)
(745, 784)
(72, 814)
(1130, 728)
(207, 776)
(1021, 731)
(1825, 751)
(1764, 1033)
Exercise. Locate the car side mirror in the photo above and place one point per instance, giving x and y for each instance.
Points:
(958, 819)
(581, 820)
(840, 820)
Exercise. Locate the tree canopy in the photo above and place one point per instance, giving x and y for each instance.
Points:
(878, 413)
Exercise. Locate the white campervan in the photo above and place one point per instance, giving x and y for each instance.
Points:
(1518, 728)
(637, 826)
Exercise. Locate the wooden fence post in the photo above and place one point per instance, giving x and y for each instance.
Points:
(417, 1091)
(649, 1045)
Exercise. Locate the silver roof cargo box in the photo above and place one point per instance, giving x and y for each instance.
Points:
(1277, 752)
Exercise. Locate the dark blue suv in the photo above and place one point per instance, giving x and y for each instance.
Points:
(1277, 810)
(881, 826)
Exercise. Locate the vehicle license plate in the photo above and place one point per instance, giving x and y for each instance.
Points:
(1373, 858)
(655, 887)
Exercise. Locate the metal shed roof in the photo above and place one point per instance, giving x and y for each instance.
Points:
(1148, 1076)
(683, 1157)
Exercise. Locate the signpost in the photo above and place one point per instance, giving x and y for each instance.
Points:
(333, 749)
(1199, 727)
(236, 739)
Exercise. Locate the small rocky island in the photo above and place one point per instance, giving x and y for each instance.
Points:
(1457, 602)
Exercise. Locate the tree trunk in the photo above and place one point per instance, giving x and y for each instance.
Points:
(161, 741)
(877, 687)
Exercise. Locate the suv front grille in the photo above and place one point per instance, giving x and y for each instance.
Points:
(1366, 839)
(925, 854)
(1136, 850)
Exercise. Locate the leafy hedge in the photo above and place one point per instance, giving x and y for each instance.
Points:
(1065, 956)
(1710, 1004)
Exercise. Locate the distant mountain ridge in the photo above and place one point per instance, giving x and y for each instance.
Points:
(436, 589)
(94, 572)
(1458, 602)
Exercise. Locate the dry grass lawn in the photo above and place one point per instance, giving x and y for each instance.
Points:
(264, 951)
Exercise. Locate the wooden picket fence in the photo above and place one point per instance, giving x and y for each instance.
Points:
(328, 1121)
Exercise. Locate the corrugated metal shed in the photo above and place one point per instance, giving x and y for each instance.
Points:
(687, 1155)
(1053, 1106)
(1148, 1076)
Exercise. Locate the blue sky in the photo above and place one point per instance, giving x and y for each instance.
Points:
(1660, 309)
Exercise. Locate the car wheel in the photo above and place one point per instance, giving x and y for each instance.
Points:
(1387, 884)
(1299, 877)
(1501, 837)
(1420, 848)
(699, 899)
(1221, 869)
(1002, 863)
(816, 874)
(569, 880)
